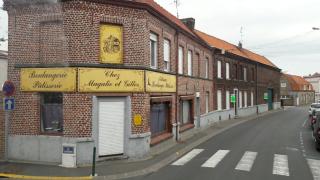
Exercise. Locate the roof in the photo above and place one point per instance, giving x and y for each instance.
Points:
(166, 14)
(313, 76)
(231, 48)
(297, 83)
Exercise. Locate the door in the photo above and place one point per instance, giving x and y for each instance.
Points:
(270, 99)
(111, 126)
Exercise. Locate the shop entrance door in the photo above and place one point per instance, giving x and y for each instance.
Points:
(111, 126)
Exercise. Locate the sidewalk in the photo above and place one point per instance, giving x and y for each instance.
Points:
(116, 169)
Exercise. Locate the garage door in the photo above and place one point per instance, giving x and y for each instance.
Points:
(111, 126)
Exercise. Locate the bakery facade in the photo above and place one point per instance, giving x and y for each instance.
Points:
(121, 76)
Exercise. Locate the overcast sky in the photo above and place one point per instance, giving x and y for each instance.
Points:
(281, 30)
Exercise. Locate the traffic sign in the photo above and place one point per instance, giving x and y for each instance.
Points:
(8, 104)
(8, 88)
(233, 98)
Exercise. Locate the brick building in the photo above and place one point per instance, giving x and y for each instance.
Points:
(122, 76)
(252, 78)
(296, 91)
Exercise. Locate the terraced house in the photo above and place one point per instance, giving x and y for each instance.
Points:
(126, 77)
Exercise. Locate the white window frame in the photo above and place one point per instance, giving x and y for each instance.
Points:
(180, 60)
(252, 98)
(227, 100)
(228, 71)
(219, 74)
(189, 62)
(219, 100)
(245, 74)
(283, 84)
(207, 101)
(154, 39)
(245, 99)
(207, 67)
(166, 54)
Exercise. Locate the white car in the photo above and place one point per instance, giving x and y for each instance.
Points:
(314, 106)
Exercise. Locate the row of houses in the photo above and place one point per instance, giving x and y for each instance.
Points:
(123, 76)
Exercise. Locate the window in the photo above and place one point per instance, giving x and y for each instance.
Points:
(245, 74)
(245, 99)
(153, 50)
(240, 99)
(207, 102)
(185, 113)
(227, 71)
(159, 118)
(235, 69)
(283, 85)
(251, 98)
(180, 53)
(227, 100)
(219, 100)
(207, 67)
(51, 112)
(166, 55)
(189, 63)
(219, 69)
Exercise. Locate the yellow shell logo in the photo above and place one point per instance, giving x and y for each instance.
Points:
(111, 45)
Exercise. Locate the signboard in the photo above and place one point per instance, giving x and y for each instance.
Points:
(137, 120)
(159, 82)
(48, 79)
(68, 150)
(8, 104)
(111, 43)
(110, 80)
(8, 88)
(233, 98)
(265, 96)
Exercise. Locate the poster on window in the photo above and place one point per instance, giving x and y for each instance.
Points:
(111, 43)
(48, 79)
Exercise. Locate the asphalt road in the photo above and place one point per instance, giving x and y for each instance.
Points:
(277, 146)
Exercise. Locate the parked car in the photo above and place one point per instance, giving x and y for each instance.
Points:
(312, 119)
(313, 107)
(316, 130)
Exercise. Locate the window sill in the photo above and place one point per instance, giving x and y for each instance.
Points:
(160, 138)
(51, 133)
(186, 127)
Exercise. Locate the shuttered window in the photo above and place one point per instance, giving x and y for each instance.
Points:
(166, 55)
(180, 58)
(51, 112)
(186, 112)
(219, 100)
(153, 50)
(159, 118)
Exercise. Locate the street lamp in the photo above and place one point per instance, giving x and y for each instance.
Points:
(315, 28)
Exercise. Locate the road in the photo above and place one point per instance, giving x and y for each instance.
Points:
(277, 146)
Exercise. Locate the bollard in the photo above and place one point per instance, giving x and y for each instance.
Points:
(94, 162)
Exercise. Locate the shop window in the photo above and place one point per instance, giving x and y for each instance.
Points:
(153, 50)
(159, 118)
(166, 55)
(186, 112)
(51, 112)
(180, 66)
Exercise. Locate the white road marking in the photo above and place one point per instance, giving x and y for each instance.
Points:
(315, 168)
(186, 158)
(280, 165)
(303, 125)
(215, 159)
(246, 161)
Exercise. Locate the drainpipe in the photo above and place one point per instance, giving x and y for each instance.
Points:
(257, 88)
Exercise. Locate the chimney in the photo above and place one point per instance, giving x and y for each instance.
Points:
(189, 22)
(240, 45)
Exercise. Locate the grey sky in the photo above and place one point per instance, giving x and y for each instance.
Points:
(279, 30)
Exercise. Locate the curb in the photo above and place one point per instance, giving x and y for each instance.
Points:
(180, 153)
(15, 176)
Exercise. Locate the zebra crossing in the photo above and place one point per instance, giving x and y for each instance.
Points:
(280, 162)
